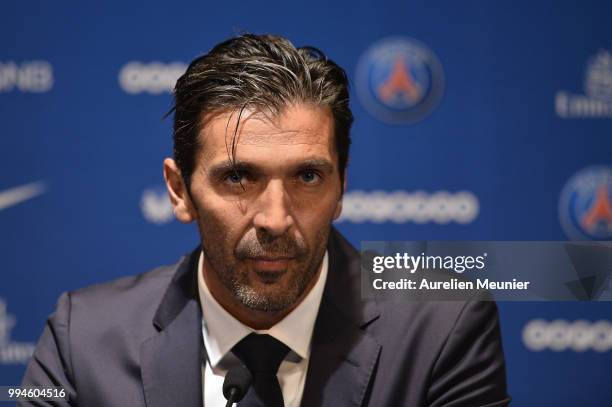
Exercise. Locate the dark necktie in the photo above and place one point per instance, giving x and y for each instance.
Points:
(262, 355)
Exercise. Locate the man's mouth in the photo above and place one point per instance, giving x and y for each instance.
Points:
(270, 265)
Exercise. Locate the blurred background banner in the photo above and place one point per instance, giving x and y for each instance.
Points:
(475, 120)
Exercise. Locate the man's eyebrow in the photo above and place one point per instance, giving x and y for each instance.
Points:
(317, 163)
(227, 166)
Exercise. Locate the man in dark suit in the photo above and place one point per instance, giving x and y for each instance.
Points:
(261, 140)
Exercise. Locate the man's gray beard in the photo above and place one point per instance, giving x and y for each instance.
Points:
(237, 281)
(251, 299)
(259, 302)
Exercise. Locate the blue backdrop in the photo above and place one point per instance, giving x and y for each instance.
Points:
(474, 120)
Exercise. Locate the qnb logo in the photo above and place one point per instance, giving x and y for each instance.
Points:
(27, 76)
(596, 102)
(401, 207)
(156, 206)
(12, 353)
(154, 78)
(561, 335)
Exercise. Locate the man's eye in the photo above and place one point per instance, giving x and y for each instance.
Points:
(234, 177)
(309, 177)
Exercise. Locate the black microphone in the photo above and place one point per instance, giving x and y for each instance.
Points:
(236, 384)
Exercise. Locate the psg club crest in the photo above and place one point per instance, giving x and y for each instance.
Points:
(585, 207)
(399, 80)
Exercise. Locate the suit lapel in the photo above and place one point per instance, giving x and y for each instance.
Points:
(342, 361)
(343, 356)
(171, 359)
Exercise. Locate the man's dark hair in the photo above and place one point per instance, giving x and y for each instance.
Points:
(261, 72)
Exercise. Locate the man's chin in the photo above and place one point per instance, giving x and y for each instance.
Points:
(269, 277)
(266, 297)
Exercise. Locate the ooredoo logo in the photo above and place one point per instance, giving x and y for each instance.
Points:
(154, 77)
(419, 207)
(399, 80)
(561, 335)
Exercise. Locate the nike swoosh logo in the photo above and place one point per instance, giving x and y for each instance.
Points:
(17, 195)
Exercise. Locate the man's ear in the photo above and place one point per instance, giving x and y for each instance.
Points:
(177, 191)
(338, 210)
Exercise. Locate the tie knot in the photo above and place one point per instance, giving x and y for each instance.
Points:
(261, 353)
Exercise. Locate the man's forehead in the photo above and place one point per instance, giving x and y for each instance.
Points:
(301, 125)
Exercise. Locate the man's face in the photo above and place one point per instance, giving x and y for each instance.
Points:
(264, 222)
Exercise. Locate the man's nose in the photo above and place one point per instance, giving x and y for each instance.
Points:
(273, 210)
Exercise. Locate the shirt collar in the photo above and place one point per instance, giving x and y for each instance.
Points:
(221, 331)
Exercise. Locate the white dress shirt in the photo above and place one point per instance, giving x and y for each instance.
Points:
(221, 331)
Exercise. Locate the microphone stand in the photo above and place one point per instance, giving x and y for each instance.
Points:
(232, 396)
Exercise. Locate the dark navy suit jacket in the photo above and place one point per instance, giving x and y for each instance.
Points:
(137, 341)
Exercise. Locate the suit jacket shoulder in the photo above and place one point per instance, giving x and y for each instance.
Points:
(92, 344)
(414, 353)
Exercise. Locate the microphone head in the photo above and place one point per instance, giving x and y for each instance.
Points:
(238, 378)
